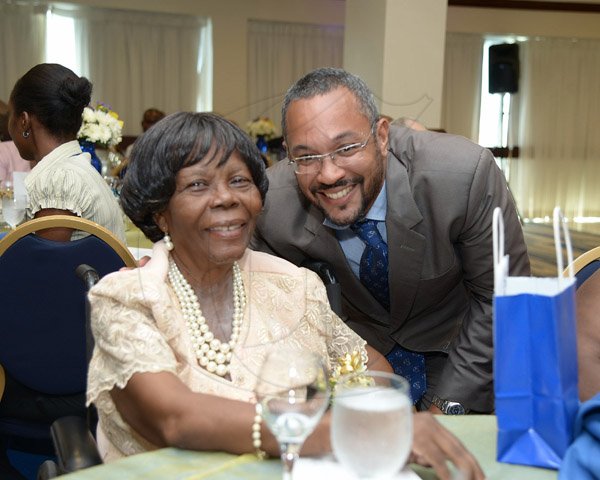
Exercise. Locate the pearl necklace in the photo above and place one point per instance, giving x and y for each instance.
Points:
(211, 353)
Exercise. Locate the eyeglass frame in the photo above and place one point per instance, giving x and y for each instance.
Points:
(360, 146)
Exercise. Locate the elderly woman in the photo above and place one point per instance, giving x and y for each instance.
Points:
(44, 116)
(180, 340)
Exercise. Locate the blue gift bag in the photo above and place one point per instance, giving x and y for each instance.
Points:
(535, 358)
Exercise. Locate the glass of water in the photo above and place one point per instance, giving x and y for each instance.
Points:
(293, 391)
(371, 424)
(13, 208)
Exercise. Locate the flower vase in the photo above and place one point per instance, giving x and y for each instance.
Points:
(90, 148)
(261, 143)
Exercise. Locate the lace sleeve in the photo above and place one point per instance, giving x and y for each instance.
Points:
(127, 335)
(340, 338)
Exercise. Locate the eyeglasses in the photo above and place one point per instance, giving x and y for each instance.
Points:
(341, 157)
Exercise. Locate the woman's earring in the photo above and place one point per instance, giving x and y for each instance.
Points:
(26, 134)
(168, 242)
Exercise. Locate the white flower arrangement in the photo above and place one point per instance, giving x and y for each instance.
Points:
(100, 126)
(261, 126)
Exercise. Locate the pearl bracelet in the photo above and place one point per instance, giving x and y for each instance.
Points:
(256, 438)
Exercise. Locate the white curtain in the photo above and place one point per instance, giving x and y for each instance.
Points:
(281, 53)
(559, 117)
(22, 42)
(138, 60)
(462, 84)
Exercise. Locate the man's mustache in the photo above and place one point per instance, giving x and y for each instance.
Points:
(340, 183)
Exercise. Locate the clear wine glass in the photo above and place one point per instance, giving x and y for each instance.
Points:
(293, 391)
(371, 424)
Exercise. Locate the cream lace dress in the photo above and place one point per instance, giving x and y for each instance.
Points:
(138, 327)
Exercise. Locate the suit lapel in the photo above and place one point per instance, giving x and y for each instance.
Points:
(406, 247)
(325, 246)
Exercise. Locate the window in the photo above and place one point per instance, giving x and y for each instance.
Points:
(60, 41)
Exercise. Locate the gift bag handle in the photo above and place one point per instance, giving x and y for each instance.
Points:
(558, 220)
(501, 261)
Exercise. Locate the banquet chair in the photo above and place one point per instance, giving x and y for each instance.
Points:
(42, 326)
(585, 265)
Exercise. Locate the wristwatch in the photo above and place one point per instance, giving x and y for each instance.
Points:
(447, 407)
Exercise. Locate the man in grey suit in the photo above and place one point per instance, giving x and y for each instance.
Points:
(431, 197)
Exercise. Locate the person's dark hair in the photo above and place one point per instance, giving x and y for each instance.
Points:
(55, 96)
(150, 117)
(178, 141)
(324, 80)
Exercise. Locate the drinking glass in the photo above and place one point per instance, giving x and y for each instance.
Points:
(371, 424)
(293, 391)
(13, 207)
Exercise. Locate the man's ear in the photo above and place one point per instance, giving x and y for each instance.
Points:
(284, 146)
(382, 131)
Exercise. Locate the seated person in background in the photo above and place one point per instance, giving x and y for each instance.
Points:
(45, 110)
(195, 186)
(151, 116)
(10, 160)
(357, 187)
(588, 337)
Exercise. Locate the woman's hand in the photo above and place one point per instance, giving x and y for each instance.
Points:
(433, 445)
(319, 441)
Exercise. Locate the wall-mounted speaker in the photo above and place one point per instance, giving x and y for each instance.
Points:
(504, 68)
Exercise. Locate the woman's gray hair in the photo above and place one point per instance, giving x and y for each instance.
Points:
(324, 80)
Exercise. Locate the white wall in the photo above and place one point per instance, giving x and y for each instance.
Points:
(397, 47)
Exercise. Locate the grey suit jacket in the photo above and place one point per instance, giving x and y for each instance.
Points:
(441, 192)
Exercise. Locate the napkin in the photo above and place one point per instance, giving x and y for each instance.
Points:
(316, 468)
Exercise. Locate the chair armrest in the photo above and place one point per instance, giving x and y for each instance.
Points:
(47, 470)
(74, 444)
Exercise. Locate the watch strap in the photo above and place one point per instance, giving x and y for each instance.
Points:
(448, 407)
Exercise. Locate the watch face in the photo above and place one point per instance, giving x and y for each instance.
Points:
(455, 409)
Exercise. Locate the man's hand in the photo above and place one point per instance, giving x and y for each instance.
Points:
(141, 262)
(433, 445)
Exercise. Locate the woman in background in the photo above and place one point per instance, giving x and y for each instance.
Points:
(44, 111)
(10, 160)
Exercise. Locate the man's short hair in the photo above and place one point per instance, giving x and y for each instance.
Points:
(325, 80)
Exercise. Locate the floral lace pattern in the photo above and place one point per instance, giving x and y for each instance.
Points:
(138, 327)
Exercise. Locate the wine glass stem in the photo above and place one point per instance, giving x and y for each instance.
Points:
(289, 454)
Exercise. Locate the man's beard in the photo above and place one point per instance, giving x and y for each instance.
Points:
(367, 196)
